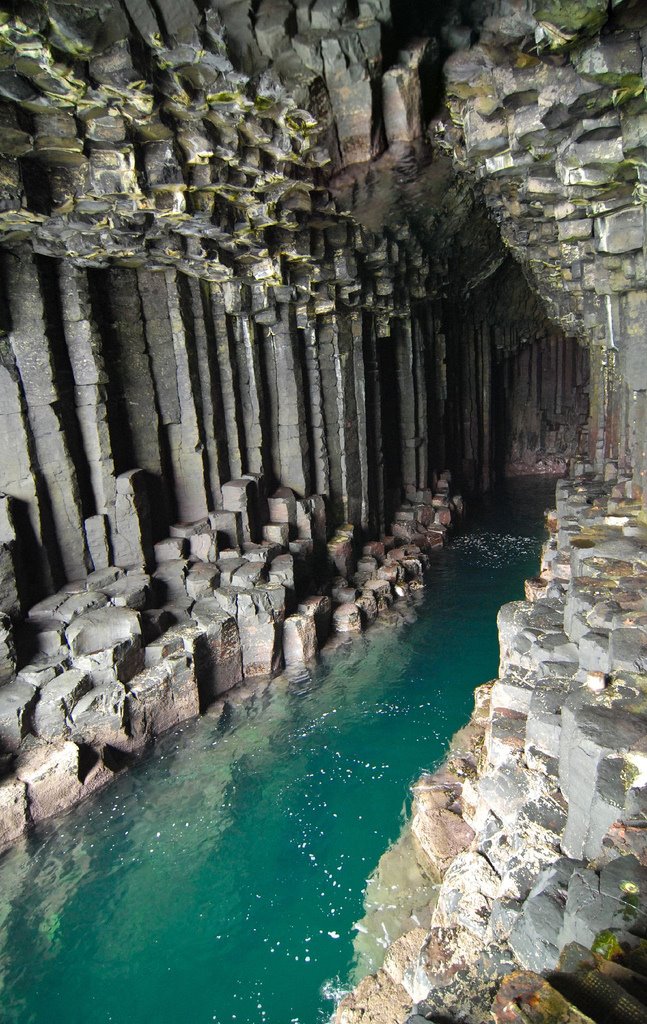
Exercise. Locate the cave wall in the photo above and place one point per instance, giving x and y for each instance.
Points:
(164, 218)
(547, 114)
(240, 378)
(196, 383)
(182, 296)
(507, 387)
(113, 369)
(518, 387)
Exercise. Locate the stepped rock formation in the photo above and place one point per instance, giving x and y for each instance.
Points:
(267, 307)
(533, 828)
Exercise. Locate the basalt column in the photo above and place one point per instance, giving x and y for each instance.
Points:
(517, 387)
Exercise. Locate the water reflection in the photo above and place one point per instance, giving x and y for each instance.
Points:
(224, 874)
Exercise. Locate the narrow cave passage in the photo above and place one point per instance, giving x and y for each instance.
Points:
(226, 871)
(476, 378)
(517, 387)
(280, 282)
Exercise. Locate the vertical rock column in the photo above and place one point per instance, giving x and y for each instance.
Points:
(51, 463)
(232, 415)
(250, 395)
(330, 363)
(11, 578)
(211, 400)
(186, 439)
(132, 401)
(361, 509)
(406, 403)
(18, 479)
(420, 342)
(86, 359)
(436, 389)
(313, 400)
(373, 398)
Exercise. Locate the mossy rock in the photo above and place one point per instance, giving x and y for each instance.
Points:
(583, 542)
(264, 103)
(572, 16)
(223, 97)
(606, 945)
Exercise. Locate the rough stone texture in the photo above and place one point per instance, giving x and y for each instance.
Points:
(556, 141)
(56, 777)
(378, 999)
(13, 810)
(299, 639)
(162, 697)
(219, 380)
(114, 659)
(533, 826)
(236, 321)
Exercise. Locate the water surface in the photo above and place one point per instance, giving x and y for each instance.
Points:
(219, 880)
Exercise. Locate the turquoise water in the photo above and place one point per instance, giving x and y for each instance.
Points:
(220, 879)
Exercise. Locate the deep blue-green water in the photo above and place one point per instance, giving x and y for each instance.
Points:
(219, 880)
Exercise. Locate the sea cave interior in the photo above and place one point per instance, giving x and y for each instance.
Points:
(323, 406)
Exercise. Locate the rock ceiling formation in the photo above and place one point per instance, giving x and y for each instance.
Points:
(261, 291)
(171, 253)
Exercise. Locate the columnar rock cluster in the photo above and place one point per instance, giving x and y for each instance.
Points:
(199, 354)
(158, 632)
(219, 386)
(510, 389)
(548, 113)
(533, 827)
(226, 394)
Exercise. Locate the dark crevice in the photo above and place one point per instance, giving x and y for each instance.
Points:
(121, 442)
(307, 407)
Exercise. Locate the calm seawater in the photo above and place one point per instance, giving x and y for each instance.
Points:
(219, 880)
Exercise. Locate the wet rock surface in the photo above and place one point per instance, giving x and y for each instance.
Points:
(227, 393)
(547, 113)
(112, 661)
(532, 829)
(198, 348)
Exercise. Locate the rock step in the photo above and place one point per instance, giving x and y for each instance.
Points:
(117, 657)
(587, 988)
(605, 989)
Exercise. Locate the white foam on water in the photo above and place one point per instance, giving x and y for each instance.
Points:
(494, 549)
(333, 990)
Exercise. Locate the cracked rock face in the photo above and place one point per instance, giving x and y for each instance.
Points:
(191, 383)
(186, 305)
(533, 827)
(550, 119)
(229, 392)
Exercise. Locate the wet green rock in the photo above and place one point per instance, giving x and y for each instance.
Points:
(560, 21)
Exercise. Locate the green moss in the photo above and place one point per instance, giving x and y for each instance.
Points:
(298, 123)
(629, 774)
(606, 945)
(572, 16)
(630, 90)
(223, 97)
